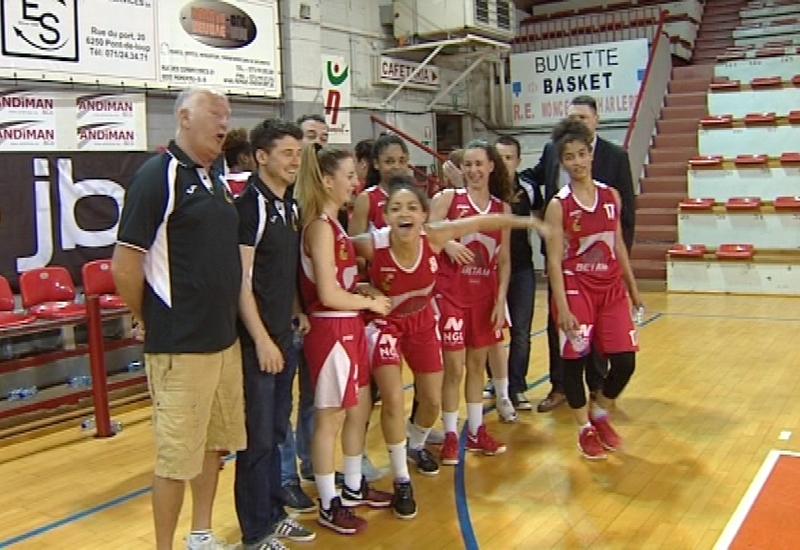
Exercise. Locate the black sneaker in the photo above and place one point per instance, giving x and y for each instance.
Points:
(365, 495)
(296, 499)
(289, 529)
(426, 464)
(403, 503)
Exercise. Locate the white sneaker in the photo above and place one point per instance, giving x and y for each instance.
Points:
(506, 411)
(206, 542)
(522, 403)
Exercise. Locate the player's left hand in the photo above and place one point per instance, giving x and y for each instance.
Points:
(302, 324)
(366, 289)
(499, 315)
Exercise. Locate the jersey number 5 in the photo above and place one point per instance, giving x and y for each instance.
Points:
(610, 209)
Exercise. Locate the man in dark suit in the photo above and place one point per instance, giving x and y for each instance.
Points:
(611, 166)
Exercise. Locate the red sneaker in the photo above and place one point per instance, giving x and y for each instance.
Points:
(341, 519)
(365, 495)
(589, 444)
(449, 452)
(482, 442)
(608, 436)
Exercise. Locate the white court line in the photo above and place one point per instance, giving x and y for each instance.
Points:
(730, 531)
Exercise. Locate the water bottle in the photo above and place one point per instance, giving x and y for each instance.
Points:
(82, 381)
(134, 366)
(638, 315)
(88, 425)
(21, 394)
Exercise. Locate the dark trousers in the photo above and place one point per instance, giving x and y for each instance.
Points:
(520, 299)
(596, 364)
(268, 402)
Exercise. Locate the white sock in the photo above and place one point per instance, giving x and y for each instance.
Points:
(598, 412)
(501, 388)
(584, 427)
(352, 472)
(200, 536)
(326, 487)
(417, 436)
(475, 417)
(450, 421)
(397, 457)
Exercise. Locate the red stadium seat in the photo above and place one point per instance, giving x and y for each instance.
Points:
(735, 251)
(97, 280)
(696, 204)
(717, 120)
(790, 158)
(796, 80)
(709, 160)
(770, 52)
(8, 317)
(760, 118)
(743, 203)
(787, 203)
(766, 82)
(794, 117)
(49, 293)
(687, 251)
(726, 86)
(750, 160)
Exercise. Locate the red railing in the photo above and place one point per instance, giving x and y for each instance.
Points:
(643, 86)
(431, 180)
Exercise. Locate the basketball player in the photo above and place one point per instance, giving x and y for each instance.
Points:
(589, 272)
(404, 264)
(471, 294)
(335, 347)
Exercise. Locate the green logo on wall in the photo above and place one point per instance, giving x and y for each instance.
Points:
(336, 74)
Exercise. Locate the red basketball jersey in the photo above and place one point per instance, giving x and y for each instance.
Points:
(410, 289)
(377, 200)
(590, 236)
(346, 267)
(464, 285)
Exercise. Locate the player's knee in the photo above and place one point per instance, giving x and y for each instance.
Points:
(622, 367)
(573, 382)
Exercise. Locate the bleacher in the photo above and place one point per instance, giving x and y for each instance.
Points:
(739, 227)
(48, 338)
(580, 22)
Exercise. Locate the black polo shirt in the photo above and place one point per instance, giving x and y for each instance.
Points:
(272, 226)
(527, 198)
(184, 220)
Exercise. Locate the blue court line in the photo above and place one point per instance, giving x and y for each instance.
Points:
(462, 507)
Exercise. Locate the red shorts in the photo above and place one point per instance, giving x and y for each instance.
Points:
(336, 353)
(466, 327)
(604, 318)
(415, 337)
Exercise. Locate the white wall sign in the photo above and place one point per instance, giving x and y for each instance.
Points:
(336, 83)
(233, 45)
(395, 71)
(32, 120)
(543, 83)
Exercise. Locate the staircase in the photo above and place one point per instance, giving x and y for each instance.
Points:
(665, 181)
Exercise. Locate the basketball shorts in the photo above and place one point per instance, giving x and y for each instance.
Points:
(466, 327)
(336, 353)
(604, 317)
(414, 337)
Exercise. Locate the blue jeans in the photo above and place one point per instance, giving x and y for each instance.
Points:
(268, 402)
(298, 445)
(520, 298)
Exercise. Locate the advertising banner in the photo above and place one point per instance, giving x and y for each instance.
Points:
(543, 83)
(233, 44)
(336, 84)
(61, 208)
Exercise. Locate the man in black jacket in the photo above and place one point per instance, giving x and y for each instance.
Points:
(611, 166)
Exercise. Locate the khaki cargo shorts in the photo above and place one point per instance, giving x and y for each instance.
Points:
(198, 406)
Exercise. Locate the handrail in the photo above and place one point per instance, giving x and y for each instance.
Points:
(413, 141)
(659, 31)
(431, 179)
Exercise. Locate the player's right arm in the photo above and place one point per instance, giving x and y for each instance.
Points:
(323, 261)
(554, 217)
(440, 205)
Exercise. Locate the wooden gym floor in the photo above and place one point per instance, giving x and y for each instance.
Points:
(715, 391)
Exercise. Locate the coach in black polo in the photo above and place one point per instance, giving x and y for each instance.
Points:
(177, 266)
(269, 243)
